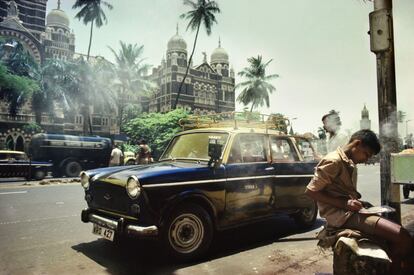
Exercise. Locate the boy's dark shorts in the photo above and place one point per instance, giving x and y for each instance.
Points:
(362, 222)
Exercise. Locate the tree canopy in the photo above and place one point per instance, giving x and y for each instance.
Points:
(157, 129)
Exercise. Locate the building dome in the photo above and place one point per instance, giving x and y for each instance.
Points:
(176, 43)
(219, 55)
(57, 17)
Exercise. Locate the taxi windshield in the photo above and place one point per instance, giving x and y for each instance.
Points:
(192, 146)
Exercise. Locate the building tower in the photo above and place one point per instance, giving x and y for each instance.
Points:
(219, 60)
(58, 40)
(206, 90)
(176, 51)
(365, 122)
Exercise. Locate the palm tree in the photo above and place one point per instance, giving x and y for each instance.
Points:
(91, 12)
(130, 72)
(202, 12)
(256, 88)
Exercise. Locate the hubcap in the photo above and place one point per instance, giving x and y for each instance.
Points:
(186, 233)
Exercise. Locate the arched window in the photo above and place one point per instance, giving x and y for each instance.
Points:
(9, 143)
(19, 144)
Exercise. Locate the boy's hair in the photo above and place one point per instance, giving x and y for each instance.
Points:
(368, 138)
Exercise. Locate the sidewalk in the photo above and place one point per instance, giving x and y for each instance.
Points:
(292, 255)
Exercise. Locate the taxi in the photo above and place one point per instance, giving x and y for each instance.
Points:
(17, 164)
(208, 179)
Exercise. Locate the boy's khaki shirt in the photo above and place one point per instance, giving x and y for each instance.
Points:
(336, 175)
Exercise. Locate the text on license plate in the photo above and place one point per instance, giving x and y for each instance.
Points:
(102, 231)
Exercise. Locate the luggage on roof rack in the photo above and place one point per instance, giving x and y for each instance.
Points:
(235, 120)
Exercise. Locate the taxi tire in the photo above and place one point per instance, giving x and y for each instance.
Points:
(305, 218)
(72, 168)
(190, 217)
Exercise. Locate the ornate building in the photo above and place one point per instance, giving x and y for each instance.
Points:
(58, 39)
(365, 122)
(42, 36)
(208, 88)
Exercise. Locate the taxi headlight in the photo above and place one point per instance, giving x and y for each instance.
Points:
(133, 187)
(84, 180)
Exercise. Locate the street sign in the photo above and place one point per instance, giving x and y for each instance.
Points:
(380, 30)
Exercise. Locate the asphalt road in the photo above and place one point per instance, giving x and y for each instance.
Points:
(41, 233)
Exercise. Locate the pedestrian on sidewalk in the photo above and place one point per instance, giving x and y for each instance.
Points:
(334, 188)
(116, 156)
(144, 153)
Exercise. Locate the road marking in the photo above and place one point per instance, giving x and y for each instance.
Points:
(39, 219)
(16, 192)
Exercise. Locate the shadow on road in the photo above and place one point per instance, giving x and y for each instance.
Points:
(148, 257)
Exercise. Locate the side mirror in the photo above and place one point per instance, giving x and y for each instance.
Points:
(214, 150)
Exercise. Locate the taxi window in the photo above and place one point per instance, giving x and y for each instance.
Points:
(305, 149)
(282, 150)
(248, 148)
(192, 146)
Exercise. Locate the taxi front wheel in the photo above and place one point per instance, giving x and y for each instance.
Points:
(188, 232)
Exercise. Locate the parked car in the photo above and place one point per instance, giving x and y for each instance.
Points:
(206, 180)
(18, 164)
(129, 158)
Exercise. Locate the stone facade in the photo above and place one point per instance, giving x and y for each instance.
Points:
(208, 87)
(43, 37)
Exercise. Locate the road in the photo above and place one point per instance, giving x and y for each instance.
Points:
(41, 233)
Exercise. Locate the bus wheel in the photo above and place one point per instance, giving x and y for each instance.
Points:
(72, 168)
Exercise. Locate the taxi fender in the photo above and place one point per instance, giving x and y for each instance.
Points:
(194, 196)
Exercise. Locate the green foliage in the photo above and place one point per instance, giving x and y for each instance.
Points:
(280, 121)
(156, 128)
(128, 147)
(130, 72)
(32, 127)
(256, 88)
(15, 89)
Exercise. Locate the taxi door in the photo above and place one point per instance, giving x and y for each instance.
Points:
(249, 179)
(291, 174)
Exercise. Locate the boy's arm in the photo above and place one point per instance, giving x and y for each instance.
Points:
(325, 174)
(321, 196)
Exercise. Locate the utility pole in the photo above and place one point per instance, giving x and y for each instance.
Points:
(382, 44)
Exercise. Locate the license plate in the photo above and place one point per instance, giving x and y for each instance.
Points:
(104, 232)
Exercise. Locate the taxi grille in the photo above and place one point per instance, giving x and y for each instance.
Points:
(109, 197)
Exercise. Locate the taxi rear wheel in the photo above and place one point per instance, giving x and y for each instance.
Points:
(306, 217)
(188, 232)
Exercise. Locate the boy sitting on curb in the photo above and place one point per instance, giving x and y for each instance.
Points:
(334, 188)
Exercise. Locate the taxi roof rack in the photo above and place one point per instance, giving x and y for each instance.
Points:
(235, 120)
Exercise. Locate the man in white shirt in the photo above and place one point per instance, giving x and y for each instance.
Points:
(332, 125)
(116, 156)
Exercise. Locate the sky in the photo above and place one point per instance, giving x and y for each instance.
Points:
(320, 49)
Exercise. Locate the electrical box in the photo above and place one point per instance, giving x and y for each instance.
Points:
(402, 171)
(379, 30)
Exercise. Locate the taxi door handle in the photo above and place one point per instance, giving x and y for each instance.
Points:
(269, 168)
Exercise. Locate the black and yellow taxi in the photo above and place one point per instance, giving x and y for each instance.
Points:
(15, 164)
(207, 180)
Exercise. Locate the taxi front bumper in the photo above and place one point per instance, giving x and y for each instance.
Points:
(120, 226)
